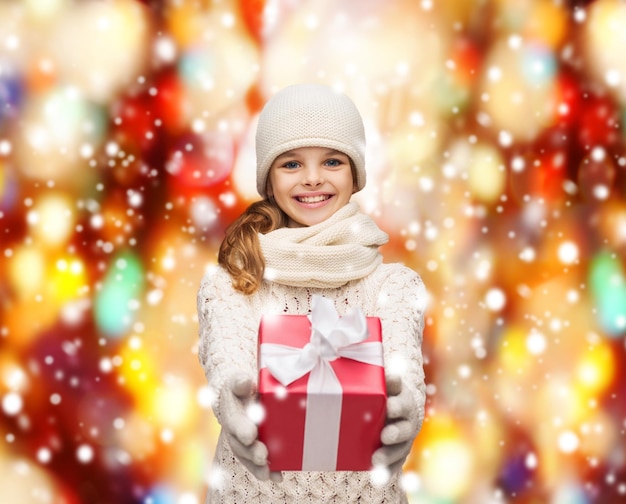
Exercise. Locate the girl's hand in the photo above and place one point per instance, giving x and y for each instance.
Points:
(401, 426)
(240, 430)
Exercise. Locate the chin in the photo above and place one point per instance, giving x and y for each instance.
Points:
(300, 217)
(307, 222)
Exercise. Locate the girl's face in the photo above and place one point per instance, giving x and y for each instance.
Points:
(310, 184)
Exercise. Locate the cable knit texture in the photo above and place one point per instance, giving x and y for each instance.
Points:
(229, 324)
(329, 254)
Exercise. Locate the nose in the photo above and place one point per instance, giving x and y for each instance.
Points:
(312, 176)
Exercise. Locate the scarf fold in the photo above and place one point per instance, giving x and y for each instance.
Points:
(342, 248)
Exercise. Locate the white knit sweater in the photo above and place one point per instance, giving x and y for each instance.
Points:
(229, 323)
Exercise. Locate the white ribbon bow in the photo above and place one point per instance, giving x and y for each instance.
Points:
(331, 337)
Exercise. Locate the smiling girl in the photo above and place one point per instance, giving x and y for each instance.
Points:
(304, 238)
(310, 184)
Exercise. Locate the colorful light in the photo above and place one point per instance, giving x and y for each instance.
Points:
(596, 369)
(546, 22)
(118, 298)
(217, 70)
(11, 95)
(513, 352)
(608, 286)
(25, 482)
(538, 65)
(47, 9)
(52, 219)
(173, 403)
(596, 176)
(9, 184)
(612, 223)
(517, 89)
(605, 37)
(67, 279)
(570, 492)
(56, 125)
(113, 46)
(486, 173)
(201, 161)
(444, 454)
(27, 271)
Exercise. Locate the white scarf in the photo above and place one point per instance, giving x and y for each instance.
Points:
(342, 248)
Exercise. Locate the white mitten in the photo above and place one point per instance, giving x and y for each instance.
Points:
(240, 430)
(402, 425)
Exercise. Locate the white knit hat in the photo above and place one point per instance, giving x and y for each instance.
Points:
(308, 115)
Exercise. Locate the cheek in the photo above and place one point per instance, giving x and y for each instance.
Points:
(279, 188)
(350, 185)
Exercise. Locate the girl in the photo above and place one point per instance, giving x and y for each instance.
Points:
(305, 237)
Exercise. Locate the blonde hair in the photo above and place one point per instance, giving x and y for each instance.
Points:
(240, 252)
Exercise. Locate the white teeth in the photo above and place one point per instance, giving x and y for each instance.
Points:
(312, 199)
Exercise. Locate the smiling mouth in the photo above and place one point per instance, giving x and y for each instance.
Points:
(313, 199)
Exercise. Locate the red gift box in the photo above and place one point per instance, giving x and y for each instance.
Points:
(330, 417)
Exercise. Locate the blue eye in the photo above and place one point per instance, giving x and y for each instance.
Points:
(333, 162)
(291, 164)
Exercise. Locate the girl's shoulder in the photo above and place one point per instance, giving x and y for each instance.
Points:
(216, 295)
(397, 273)
(216, 283)
(401, 286)
(215, 277)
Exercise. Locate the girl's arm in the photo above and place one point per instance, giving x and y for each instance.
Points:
(228, 334)
(401, 304)
(228, 339)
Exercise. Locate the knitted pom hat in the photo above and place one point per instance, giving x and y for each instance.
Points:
(308, 115)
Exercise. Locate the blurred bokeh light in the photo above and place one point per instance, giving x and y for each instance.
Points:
(496, 161)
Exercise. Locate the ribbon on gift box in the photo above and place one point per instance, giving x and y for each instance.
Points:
(332, 337)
